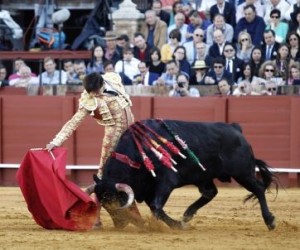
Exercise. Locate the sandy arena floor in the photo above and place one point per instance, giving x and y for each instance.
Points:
(226, 223)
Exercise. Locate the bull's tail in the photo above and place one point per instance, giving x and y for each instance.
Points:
(266, 175)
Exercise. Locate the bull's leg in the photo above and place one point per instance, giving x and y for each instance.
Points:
(156, 205)
(256, 187)
(208, 191)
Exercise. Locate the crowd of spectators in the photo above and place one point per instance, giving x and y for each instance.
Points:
(245, 47)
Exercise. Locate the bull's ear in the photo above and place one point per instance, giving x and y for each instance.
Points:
(96, 179)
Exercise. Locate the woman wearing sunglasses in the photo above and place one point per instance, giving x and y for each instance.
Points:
(244, 46)
(280, 28)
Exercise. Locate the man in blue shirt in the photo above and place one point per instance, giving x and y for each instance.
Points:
(252, 23)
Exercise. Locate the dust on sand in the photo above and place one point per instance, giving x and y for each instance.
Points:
(225, 223)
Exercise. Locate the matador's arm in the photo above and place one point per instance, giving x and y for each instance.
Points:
(68, 129)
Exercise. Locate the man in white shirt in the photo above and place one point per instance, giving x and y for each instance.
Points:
(281, 5)
(190, 48)
(129, 64)
(51, 75)
(180, 25)
(219, 23)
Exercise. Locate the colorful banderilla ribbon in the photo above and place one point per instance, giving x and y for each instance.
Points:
(183, 145)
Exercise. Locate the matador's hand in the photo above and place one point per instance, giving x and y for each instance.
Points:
(50, 146)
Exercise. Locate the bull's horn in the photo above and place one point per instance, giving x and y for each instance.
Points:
(122, 187)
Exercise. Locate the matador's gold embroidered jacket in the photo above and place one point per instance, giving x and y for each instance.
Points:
(104, 108)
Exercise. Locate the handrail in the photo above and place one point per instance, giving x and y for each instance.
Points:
(95, 167)
(39, 55)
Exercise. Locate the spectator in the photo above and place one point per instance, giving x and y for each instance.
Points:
(233, 64)
(167, 49)
(167, 5)
(294, 10)
(68, 66)
(169, 77)
(293, 40)
(217, 73)
(253, 23)
(51, 75)
(244, 46)
(187, 8)
(271, 88)
(268, 72)
(196, 21)
(97, 60)
(181, 88)
(123, 41)
(260, 9)
(281, 5)
(144, 78)
(109, 67)
(154, 30)
(180, 25)
(280, 28)
(17, 65)
(270, 46)
(179, 56)
(177, 7)
(246, 74)
(201, 53)
(3, 74)
(156, 65)
(243, 88)
(129, 65)
(199, 72)
(256, 60)
(294, 74)
(282, 61)
(226, 9)
(112, 51)
(224, 87)
(80, 70)
(141, 49)
(216, 50)
(219, 23)
(25, 78)
(162, 14)
(206, 5)
(190, 47)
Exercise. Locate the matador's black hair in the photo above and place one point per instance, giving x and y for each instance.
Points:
(93, 82)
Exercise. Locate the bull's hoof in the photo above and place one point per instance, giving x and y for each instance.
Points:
(179, 225)
(187, 218)
(271, 225)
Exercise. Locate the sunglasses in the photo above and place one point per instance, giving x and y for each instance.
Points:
(228, 50)
(270, 89)
(269, 70)
(277, 17)
(199, 35)
(245, 39)
(218, 67)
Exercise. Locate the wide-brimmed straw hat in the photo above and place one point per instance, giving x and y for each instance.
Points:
(110, 35)
(200, 64)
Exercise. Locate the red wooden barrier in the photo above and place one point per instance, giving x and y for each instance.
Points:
(271, 124)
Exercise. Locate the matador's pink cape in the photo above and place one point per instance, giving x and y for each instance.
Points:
(54, 201)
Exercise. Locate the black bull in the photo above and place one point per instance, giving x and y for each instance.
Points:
(221, 148)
